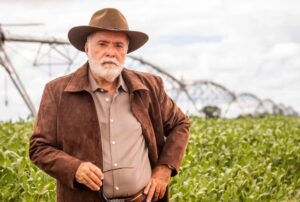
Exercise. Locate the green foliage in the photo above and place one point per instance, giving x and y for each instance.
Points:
(20, 180)
(241, 160)
(245, 159)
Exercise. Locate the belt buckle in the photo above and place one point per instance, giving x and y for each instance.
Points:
(105, 199)
(136, 197)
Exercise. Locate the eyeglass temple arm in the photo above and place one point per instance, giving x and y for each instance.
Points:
(128, 167)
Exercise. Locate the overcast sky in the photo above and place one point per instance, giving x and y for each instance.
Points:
(247, 46)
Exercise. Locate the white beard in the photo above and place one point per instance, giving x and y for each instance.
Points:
(107, 73)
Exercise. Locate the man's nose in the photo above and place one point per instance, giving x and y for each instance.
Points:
(110, 52)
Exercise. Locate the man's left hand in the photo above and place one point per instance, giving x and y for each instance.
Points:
(159, 181)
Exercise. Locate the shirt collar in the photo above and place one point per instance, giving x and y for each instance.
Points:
(94, 85)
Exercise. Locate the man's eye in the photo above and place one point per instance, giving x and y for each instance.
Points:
(119, 46)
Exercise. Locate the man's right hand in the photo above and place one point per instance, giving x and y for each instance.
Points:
(89, 175)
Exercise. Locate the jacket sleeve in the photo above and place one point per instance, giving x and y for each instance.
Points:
(44, 150)
(176, 129)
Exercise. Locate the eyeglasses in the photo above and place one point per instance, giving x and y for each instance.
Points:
(101, 193)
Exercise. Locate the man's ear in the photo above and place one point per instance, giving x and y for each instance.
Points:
(86, 48)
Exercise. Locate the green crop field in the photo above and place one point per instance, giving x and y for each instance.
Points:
(227, 160)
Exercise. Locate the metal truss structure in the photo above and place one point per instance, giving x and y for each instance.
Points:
(196, 95)
(193, 97)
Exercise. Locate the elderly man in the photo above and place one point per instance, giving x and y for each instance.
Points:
(107, 133)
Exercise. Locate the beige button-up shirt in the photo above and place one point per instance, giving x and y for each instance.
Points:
(126, 164)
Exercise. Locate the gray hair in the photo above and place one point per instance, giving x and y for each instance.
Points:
(89, 37)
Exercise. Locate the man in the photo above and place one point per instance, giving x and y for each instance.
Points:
(107, 133)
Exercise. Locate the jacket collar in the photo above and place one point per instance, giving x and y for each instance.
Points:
(133, 81)
(80, 81)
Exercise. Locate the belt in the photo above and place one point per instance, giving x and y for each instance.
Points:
(139, 197)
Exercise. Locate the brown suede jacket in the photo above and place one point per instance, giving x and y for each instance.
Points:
(67, 133)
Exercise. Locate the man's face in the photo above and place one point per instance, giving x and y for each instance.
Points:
(106, 53)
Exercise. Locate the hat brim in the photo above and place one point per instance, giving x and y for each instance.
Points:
(78, 36)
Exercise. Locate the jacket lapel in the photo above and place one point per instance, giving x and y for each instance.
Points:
(80, 80)
(140, 101)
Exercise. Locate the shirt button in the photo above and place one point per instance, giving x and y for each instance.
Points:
(115, 164)
(117, 188)
(107, 99)
(111, 120)
(113, 142)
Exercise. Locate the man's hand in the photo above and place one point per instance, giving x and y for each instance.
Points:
(159, 181)
(89, 175)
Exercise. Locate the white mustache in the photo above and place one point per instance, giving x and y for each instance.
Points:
(114, 61)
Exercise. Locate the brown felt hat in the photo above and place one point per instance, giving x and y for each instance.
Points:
(107, 19)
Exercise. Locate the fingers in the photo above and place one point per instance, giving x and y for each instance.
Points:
(157, 186)
(146, 190)
(94, 178)
(154, 190)
(98, 172)
(162, 192)
(89, 175)
(156, 193)
(151, 191)
(90, 183)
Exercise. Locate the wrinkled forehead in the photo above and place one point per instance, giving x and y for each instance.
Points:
(109, 36)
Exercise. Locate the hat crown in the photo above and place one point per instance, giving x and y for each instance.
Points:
(109, 18)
